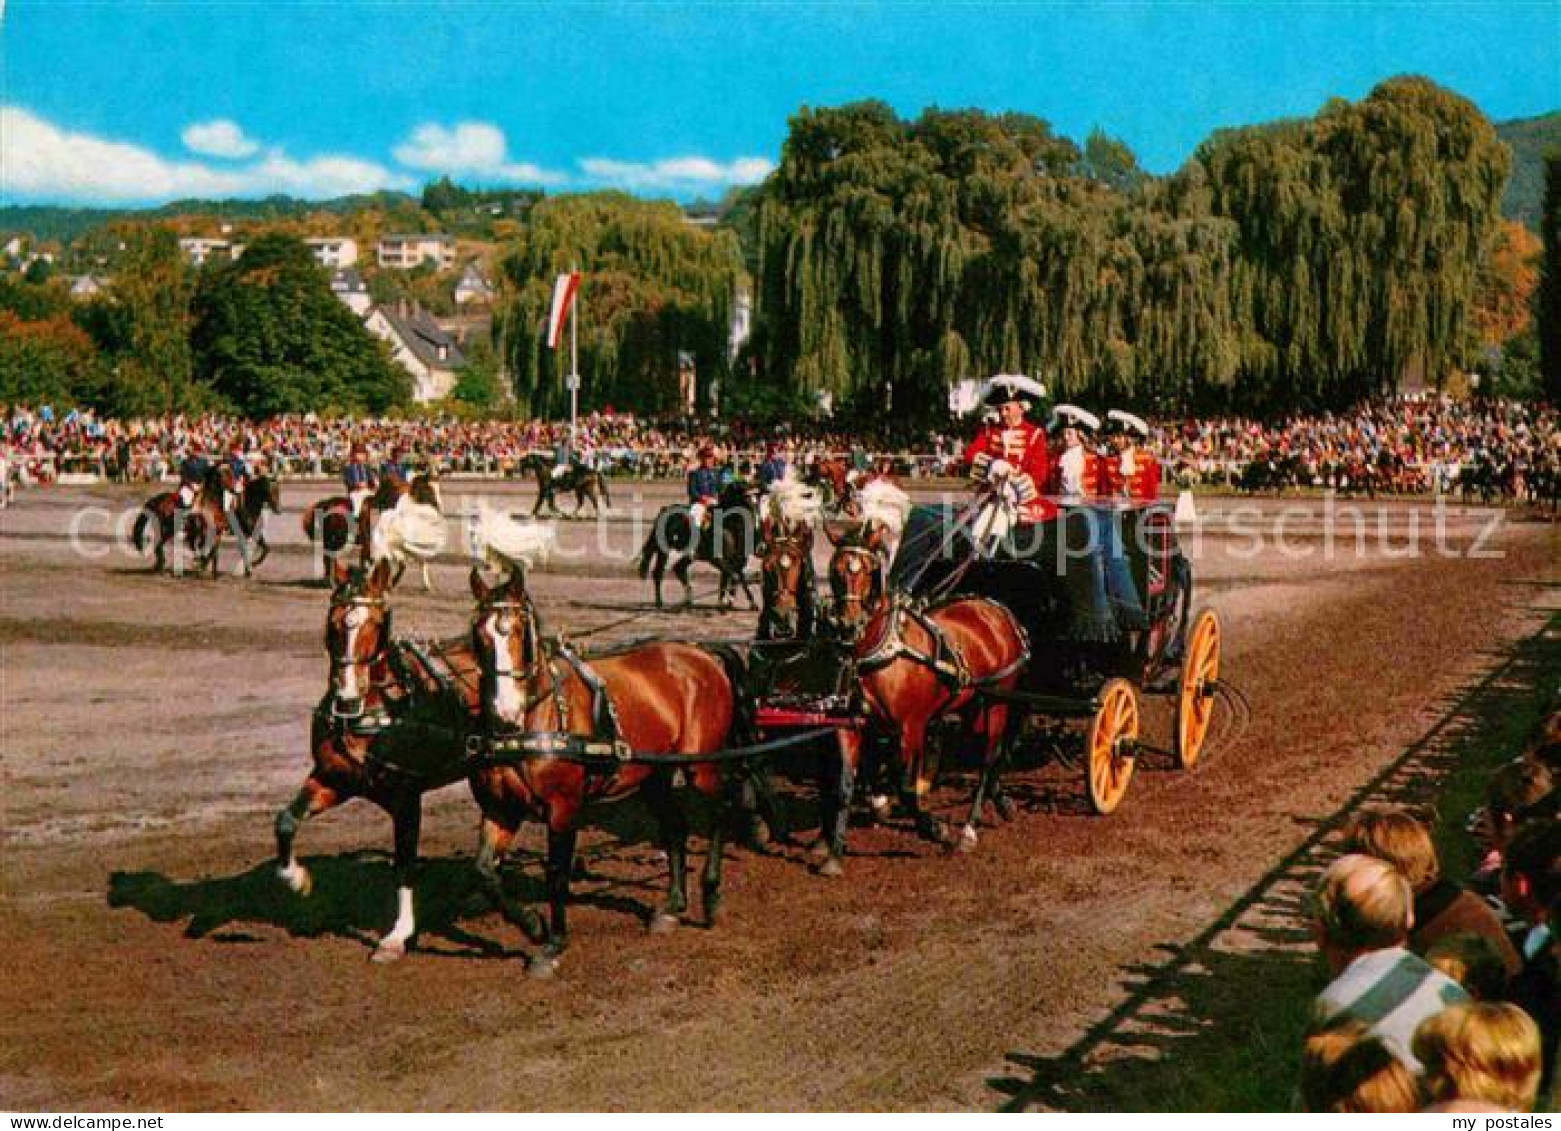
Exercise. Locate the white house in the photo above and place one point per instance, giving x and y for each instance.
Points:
(420, 347)
(83, 287)
(332, 252)
(199, 249)
(406, 252)
(348, 285)
(473, 288)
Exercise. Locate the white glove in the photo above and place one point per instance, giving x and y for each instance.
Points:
(1000, 469)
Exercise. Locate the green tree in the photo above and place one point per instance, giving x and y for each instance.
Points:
(144, 320)
(1547, 296)
(270, 337)
(478, 383)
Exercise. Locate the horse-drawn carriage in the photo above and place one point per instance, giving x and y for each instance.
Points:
(1080, 661)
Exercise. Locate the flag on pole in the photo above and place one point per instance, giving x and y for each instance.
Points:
(564, 289)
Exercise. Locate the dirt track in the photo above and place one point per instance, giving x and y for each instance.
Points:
(153, 725)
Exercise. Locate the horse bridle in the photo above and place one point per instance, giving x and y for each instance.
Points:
(534, 655)
(786, 602)
(875, 570)
(358, 604)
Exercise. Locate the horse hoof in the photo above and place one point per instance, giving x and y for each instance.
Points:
(759, 835)
(297, 878)
(542, 966)
(879, 805)
(532, 927)
(819, 849)
(967, 838)
(663, 923)
(831, 868)
(388, 951)
(1003, 807)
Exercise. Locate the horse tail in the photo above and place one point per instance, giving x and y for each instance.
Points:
(308, 521)
(139, 533)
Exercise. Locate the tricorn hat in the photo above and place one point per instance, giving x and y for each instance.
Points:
(1072, 416)
(1118, 421)
(1007, 387)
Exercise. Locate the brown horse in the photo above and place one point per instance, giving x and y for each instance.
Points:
(916, 664)
(392, 726)
(834, 474)
(664, 698)
(205, 522)
(789, 608)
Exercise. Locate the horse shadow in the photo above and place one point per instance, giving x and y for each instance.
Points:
(353, 899)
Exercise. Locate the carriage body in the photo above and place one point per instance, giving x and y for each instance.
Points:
(1042, 572)
(1084, 666)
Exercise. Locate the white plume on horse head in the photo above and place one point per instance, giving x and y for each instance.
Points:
(886, 504)
(408, 530)
(793, 502)
(500, 541)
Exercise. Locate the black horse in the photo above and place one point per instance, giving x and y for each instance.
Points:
(727, 541)
(586, 484)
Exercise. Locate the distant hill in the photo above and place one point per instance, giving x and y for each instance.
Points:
(1530, 139)
(53, 222)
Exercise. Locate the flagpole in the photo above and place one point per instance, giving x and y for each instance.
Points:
(574, 368)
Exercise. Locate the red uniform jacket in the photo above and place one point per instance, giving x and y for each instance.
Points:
(1025, 448)
(1143, 485)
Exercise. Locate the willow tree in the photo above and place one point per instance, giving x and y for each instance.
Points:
(1362, 231)
(1302, 261)
(654, 287)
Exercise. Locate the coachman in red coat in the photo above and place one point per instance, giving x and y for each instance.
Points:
(1013, 449)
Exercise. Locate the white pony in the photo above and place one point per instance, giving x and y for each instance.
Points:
(885, 504)
(409, 531)
(497, 540)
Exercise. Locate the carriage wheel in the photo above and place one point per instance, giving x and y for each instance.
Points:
(1195, 692)
(1112, 745)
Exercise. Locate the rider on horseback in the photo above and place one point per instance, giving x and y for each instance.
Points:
(704, 487)
(358, 478)
(238, 470)
(773, 469)
(193, 469)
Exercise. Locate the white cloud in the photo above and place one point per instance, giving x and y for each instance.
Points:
(676, 173)
(219, 138)
(473, 149)
(40, 161)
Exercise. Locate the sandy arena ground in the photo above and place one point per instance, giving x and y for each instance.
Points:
(152, 726)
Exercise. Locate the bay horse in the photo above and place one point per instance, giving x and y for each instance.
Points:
(834, 475)
(330, 522)
(205, 522)
(659, 698)
(726, 542)
(916, 663)
(392, 726)
(587, 484)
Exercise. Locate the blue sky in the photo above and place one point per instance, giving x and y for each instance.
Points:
(136, 102)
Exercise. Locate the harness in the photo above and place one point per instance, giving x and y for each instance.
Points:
(507, 744)
(945, 660)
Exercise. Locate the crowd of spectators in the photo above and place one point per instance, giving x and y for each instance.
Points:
(1403, 444)
(1443, 996)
